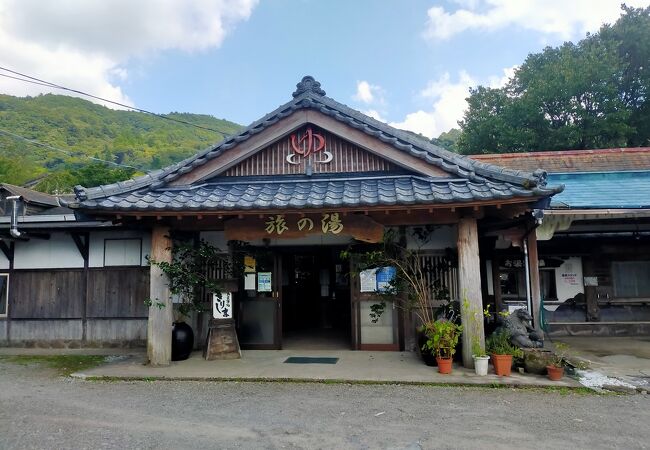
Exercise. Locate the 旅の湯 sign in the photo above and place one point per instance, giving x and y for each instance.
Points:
(284, 226)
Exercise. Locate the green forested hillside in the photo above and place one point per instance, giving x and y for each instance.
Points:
(84, 128)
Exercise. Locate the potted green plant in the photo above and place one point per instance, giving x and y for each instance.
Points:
(188, 281)
(479, 354)
(555, 370)
(416, 287)
(481, 358)
(442, 338)
(502, 351)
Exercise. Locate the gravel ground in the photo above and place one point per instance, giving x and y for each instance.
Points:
(38, 409)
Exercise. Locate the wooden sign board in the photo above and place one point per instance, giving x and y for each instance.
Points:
(281, 226)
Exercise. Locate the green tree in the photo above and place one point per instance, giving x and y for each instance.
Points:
(448, 140)
(592, 94)
(92, 175)
(83, 129)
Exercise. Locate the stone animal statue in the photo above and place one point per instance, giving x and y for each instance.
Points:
(522, 333)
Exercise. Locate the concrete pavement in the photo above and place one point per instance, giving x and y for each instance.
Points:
(353, 366)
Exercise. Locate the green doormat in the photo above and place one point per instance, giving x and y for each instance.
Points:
(310, 360)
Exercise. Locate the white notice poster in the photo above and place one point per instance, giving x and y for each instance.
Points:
(264, 282)
(368, 280)
(249, 282)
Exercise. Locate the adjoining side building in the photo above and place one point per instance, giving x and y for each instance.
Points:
(593, 243)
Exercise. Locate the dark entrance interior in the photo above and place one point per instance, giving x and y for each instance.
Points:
(315, 299)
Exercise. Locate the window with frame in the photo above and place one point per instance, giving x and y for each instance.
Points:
(547, 285)
(122, 252)
(4, 294)
(631, 279)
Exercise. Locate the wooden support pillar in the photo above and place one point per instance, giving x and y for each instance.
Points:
(535, 291)
(159, 325)
(469, 283)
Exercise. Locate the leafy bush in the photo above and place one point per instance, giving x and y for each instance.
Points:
(442, 337)
(499, 344)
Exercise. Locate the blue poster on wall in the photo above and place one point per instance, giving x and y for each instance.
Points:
(385, 276)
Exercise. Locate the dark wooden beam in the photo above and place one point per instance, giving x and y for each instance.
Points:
(8, 250)
(82, 241)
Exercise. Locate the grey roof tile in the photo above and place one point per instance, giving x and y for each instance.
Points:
(313, 193)
(315, 98)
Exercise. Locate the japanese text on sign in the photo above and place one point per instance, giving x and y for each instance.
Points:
(330, 223)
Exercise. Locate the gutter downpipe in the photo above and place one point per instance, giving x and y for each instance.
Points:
(13, 229)
(529, 300)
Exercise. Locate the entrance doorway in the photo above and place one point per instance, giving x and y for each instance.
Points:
(295, 298)
(315, 299)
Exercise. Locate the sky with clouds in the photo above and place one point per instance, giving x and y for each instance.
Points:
(408, 63)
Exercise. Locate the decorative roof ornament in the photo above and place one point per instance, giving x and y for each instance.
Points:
(308, 84)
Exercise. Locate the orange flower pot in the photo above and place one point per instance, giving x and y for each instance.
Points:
(502, 365)
(555, 373)
(444, 365)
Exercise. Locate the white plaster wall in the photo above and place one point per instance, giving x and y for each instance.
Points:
(4, 262)
(96, 258)
(568, 279)
(59, 251)
(442, 237)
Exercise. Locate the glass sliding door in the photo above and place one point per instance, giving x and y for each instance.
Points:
(260, 299)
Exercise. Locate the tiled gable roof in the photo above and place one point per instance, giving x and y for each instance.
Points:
(313, 192)
(30, 196)
(563, 161)
(309, 95)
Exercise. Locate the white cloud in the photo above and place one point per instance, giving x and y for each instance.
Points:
(368, 93)
(498, 82)
(374, 114)
(85, 44)
(561, 18)
(448, 105)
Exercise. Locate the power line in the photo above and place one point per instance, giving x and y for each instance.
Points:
(22, 79)
(29, 79)
(69, 153)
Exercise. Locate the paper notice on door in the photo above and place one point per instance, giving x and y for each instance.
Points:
(368, 280)
(249, 282)
(249, 264)
(264, 282)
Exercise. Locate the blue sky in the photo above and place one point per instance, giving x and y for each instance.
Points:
(409, 63)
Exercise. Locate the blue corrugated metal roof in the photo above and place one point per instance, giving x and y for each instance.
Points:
(602, 190)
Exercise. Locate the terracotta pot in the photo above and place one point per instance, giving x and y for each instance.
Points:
(502, 364)
(555, 373)
(444, 365)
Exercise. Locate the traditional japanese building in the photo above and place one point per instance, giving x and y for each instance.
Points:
(300, 184)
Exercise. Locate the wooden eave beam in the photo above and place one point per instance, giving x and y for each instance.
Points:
(82, 241)
(468, 207)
